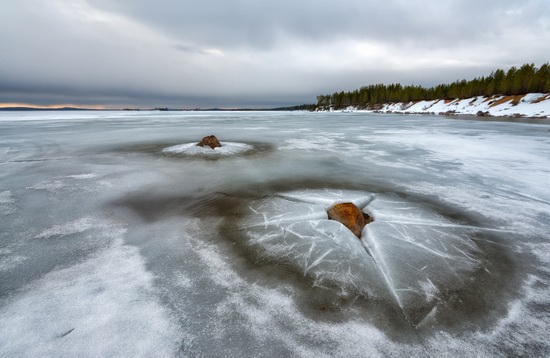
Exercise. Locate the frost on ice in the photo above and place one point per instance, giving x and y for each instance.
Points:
(191, 149)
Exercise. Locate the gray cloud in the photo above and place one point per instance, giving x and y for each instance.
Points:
(232, 52)
(261, 24)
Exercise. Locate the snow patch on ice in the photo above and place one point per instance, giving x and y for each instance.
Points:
(71, 183)
(83, 176)
(103, 307)
(511, 168)
(105, 183)
(221, 272)
(271, 314)
(327, 142)
(520, 332)
(542, 251)
(51, 186)
(183, 280)
(69, 228)
(9, 262)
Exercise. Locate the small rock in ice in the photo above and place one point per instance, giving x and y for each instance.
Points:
(350, 216)
(209, 141)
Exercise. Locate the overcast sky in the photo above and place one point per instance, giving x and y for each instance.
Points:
(254, 53)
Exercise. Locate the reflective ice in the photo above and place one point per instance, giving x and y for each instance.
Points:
(409, 254)
(111, 247)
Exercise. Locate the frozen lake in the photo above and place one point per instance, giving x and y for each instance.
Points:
(120, 238)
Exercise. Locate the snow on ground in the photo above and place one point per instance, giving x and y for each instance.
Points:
(530, 105)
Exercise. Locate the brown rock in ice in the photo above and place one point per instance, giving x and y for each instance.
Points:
(209, 141)
(350, 216)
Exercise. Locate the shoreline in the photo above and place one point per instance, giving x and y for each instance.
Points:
(532, 105)
(471, 117)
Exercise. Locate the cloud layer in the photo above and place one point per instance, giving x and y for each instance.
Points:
(231, 53)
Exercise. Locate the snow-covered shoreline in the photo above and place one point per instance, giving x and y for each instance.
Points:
(532, 105)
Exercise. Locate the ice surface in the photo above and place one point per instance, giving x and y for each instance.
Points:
(94, 308)
(9, 261)
(423, 255)
(409, 253)
(7, 203)
(70, 228)
(83, 176)
(300, 235)
(329, 197)
(277, 211)
(227, 149)
(107, 250)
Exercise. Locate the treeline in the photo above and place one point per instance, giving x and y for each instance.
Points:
(302, 107)
(515, 81)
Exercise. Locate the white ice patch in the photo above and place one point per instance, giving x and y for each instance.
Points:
(271, 314)
(329, 197)
(9, 262)
(227, 149)
(105, 183)
(69, 228)
(83, 176)
(328, 142)
(408, 254)
(518, 333)
(279, 210)
(69, 183)
(50, 186)
(183, 280)
(7, 203)
(508, 168)
(420, 252)
(103, 307)
(542, 251)
(221, 272)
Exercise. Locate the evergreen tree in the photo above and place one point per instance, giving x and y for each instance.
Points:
(515, 81)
